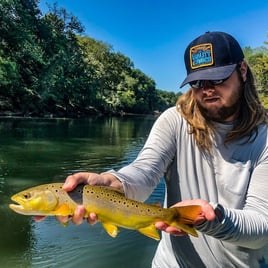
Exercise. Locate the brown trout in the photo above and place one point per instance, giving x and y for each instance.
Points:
(113, 209)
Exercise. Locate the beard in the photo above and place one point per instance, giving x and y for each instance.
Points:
(222, 113)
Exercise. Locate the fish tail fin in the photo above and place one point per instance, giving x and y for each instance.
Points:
(186, 217)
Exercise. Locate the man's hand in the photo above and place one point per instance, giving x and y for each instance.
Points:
(207, 214)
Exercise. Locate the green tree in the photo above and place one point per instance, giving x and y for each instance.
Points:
(258, 61)
(65, 84)
(47, 66)
(19, 28)
(166, 99)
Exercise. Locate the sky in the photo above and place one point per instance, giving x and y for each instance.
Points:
(155, 33)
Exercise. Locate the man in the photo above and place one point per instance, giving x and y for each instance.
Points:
(212, 150)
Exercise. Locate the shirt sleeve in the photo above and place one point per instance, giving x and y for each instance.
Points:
(247, 227)
(141, 176)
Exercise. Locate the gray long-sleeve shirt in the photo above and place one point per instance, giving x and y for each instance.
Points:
(234, 175)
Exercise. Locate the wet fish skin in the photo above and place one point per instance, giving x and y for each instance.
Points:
(113, 209)
(44, 200)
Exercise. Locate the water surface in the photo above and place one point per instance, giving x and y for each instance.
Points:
(35, 151)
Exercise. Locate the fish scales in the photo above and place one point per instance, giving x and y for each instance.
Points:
(113, 209)
(113, 206)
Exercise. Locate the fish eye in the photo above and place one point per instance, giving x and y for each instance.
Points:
(27, 195)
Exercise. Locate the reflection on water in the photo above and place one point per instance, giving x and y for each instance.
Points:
(35, 151)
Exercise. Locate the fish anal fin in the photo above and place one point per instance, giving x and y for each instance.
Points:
(63, 210)
(150, 231)
(111, 229)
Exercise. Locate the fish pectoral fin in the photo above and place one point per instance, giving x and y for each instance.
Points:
(150, 231)
(111, 229)
(63, 210)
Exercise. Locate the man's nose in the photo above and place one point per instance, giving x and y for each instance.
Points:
(207, 85)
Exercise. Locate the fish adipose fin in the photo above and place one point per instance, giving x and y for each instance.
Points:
(150, 231)
(111, 229)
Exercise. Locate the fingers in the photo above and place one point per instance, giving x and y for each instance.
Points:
(207, 214)
(92, 218)
(78, 217)
(169, 229)
(92, 179)
(73, 180)
(79, 214)
(207, 210)
(39, 218)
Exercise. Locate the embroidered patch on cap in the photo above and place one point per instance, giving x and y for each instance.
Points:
(201, 56)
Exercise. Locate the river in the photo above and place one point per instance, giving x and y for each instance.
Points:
(36, 151)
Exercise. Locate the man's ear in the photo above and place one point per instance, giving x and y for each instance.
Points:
(243, 70)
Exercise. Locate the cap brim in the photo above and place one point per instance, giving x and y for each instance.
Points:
(216, 73)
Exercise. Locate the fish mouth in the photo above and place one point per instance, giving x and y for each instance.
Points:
(24, 211)
(16, 207)
(17, 202)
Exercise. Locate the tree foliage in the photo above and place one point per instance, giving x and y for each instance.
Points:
(47, 66)
(258, 61)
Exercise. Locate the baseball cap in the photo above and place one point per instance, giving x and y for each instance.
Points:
(211, 56)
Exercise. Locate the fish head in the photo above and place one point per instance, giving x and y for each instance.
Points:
(34, 202)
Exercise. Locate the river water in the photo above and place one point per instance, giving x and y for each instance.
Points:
(36, 151)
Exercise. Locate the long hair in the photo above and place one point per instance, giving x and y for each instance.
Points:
(251, 115)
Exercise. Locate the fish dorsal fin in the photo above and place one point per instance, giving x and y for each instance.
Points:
(63, 210)
(150, 231)
(111, 229)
